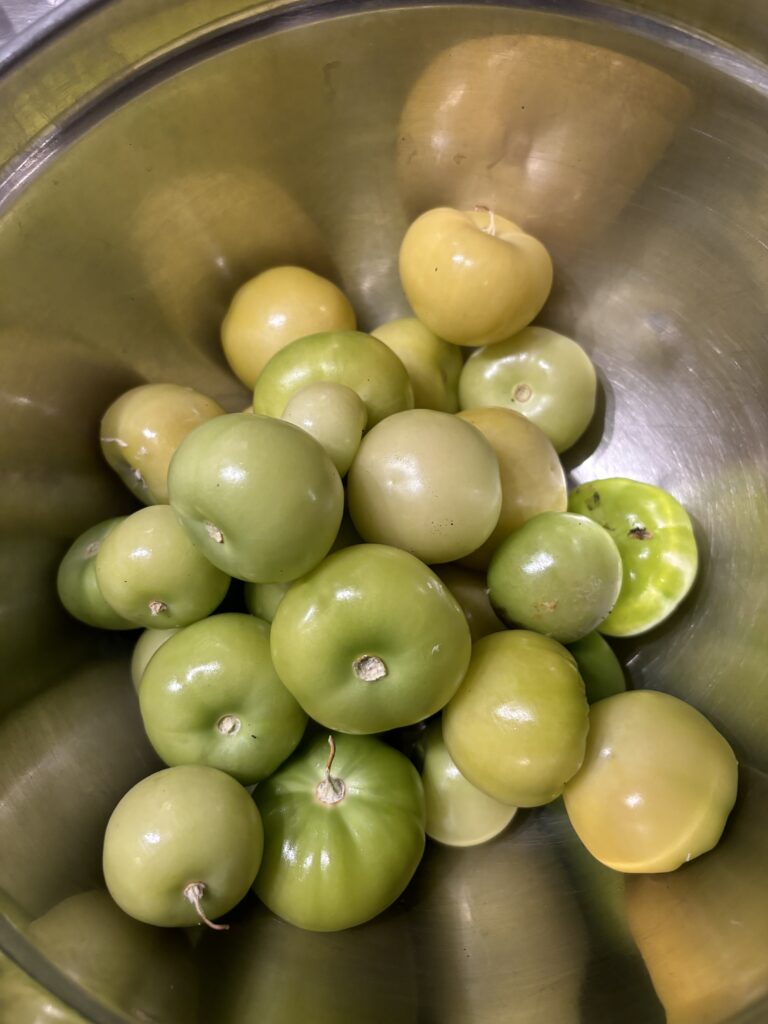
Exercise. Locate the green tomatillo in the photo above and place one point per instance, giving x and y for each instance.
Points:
(76, 581)
(370, 640)
(655, 539)
(343, 832)
(210, 695)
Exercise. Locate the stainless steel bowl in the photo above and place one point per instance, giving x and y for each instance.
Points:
(154, 155)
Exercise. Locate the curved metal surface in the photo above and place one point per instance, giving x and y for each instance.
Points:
(157, 155)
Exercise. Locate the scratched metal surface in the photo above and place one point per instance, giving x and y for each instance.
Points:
(155, 155)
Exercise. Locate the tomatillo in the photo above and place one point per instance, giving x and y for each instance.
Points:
(598, 667)
(471, 591)
(427, 482)
(458, 813)
(657, 784)
(559, 574)
(433, 365)
(149, 641)
(183, 846)
(655, 538)
(357, 360)
(211, 696)
(343, 832)
(539, 373)
(76, 581)
(151, 573)
(370, 640)
(259, 497)
(334, 415)
(142, 429)
(517, 727)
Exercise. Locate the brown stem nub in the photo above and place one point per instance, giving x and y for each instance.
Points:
(158, 607)
(330, 790)
(194, 892)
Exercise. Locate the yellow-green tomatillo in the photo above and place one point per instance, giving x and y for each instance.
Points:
(433, 365)
(517, 727)
(532, 479)
(77, 585)
(142, 429)
(334, 415)
(210, 695)
(343, 832)
(151, 573)
(370, 640)
(149, 641)
(183, 846)
(473, 277)
(655, 539)
(427, 482)
(471, 591)
(598, 667)
(458, 813)
(543, 375)
(357, 360)
(274, 308)
(657, 783)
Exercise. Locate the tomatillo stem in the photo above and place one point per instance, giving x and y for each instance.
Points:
(194, 892)
(330, 790)
(369, 668)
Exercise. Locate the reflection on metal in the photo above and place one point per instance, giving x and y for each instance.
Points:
(311, 133)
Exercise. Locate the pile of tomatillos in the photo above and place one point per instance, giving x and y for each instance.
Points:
(413, 567)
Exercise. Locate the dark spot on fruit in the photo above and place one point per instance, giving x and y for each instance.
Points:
(640, 533)
(594, 501)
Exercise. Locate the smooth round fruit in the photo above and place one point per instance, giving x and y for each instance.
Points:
(370, 640)
(359, 361)
(598, 667)
(657, 784)
(655, 538)
(340, 843)
(471, 591)
(263, 599)
(539, 373)
(473, 277)
(211, 696)
(152, 574)
(517, 727)
(433, 365)
(559, 574)
(259, 497)
(76, 581)
(142, 429)
(149, 641)
(458, 813)
(334, 415)
(532, 479)
(272, 310)
(427, 482)
(182, 836)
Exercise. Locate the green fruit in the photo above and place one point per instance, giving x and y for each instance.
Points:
(517, 727)
(426, 482)
(211, 696)
(182, 846)
(343, 835)
(657, 783)
(77, 585)
(152, 574)
(142, 429)
(263, 599)
(458, 813)
(259, 497)
(334, 415)
(433, 365)
(370, 640)
(471, 591)
(539, 373)
(598, 667)
(559, 574)
(655, 538)
(359, 361)
(149, 641)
